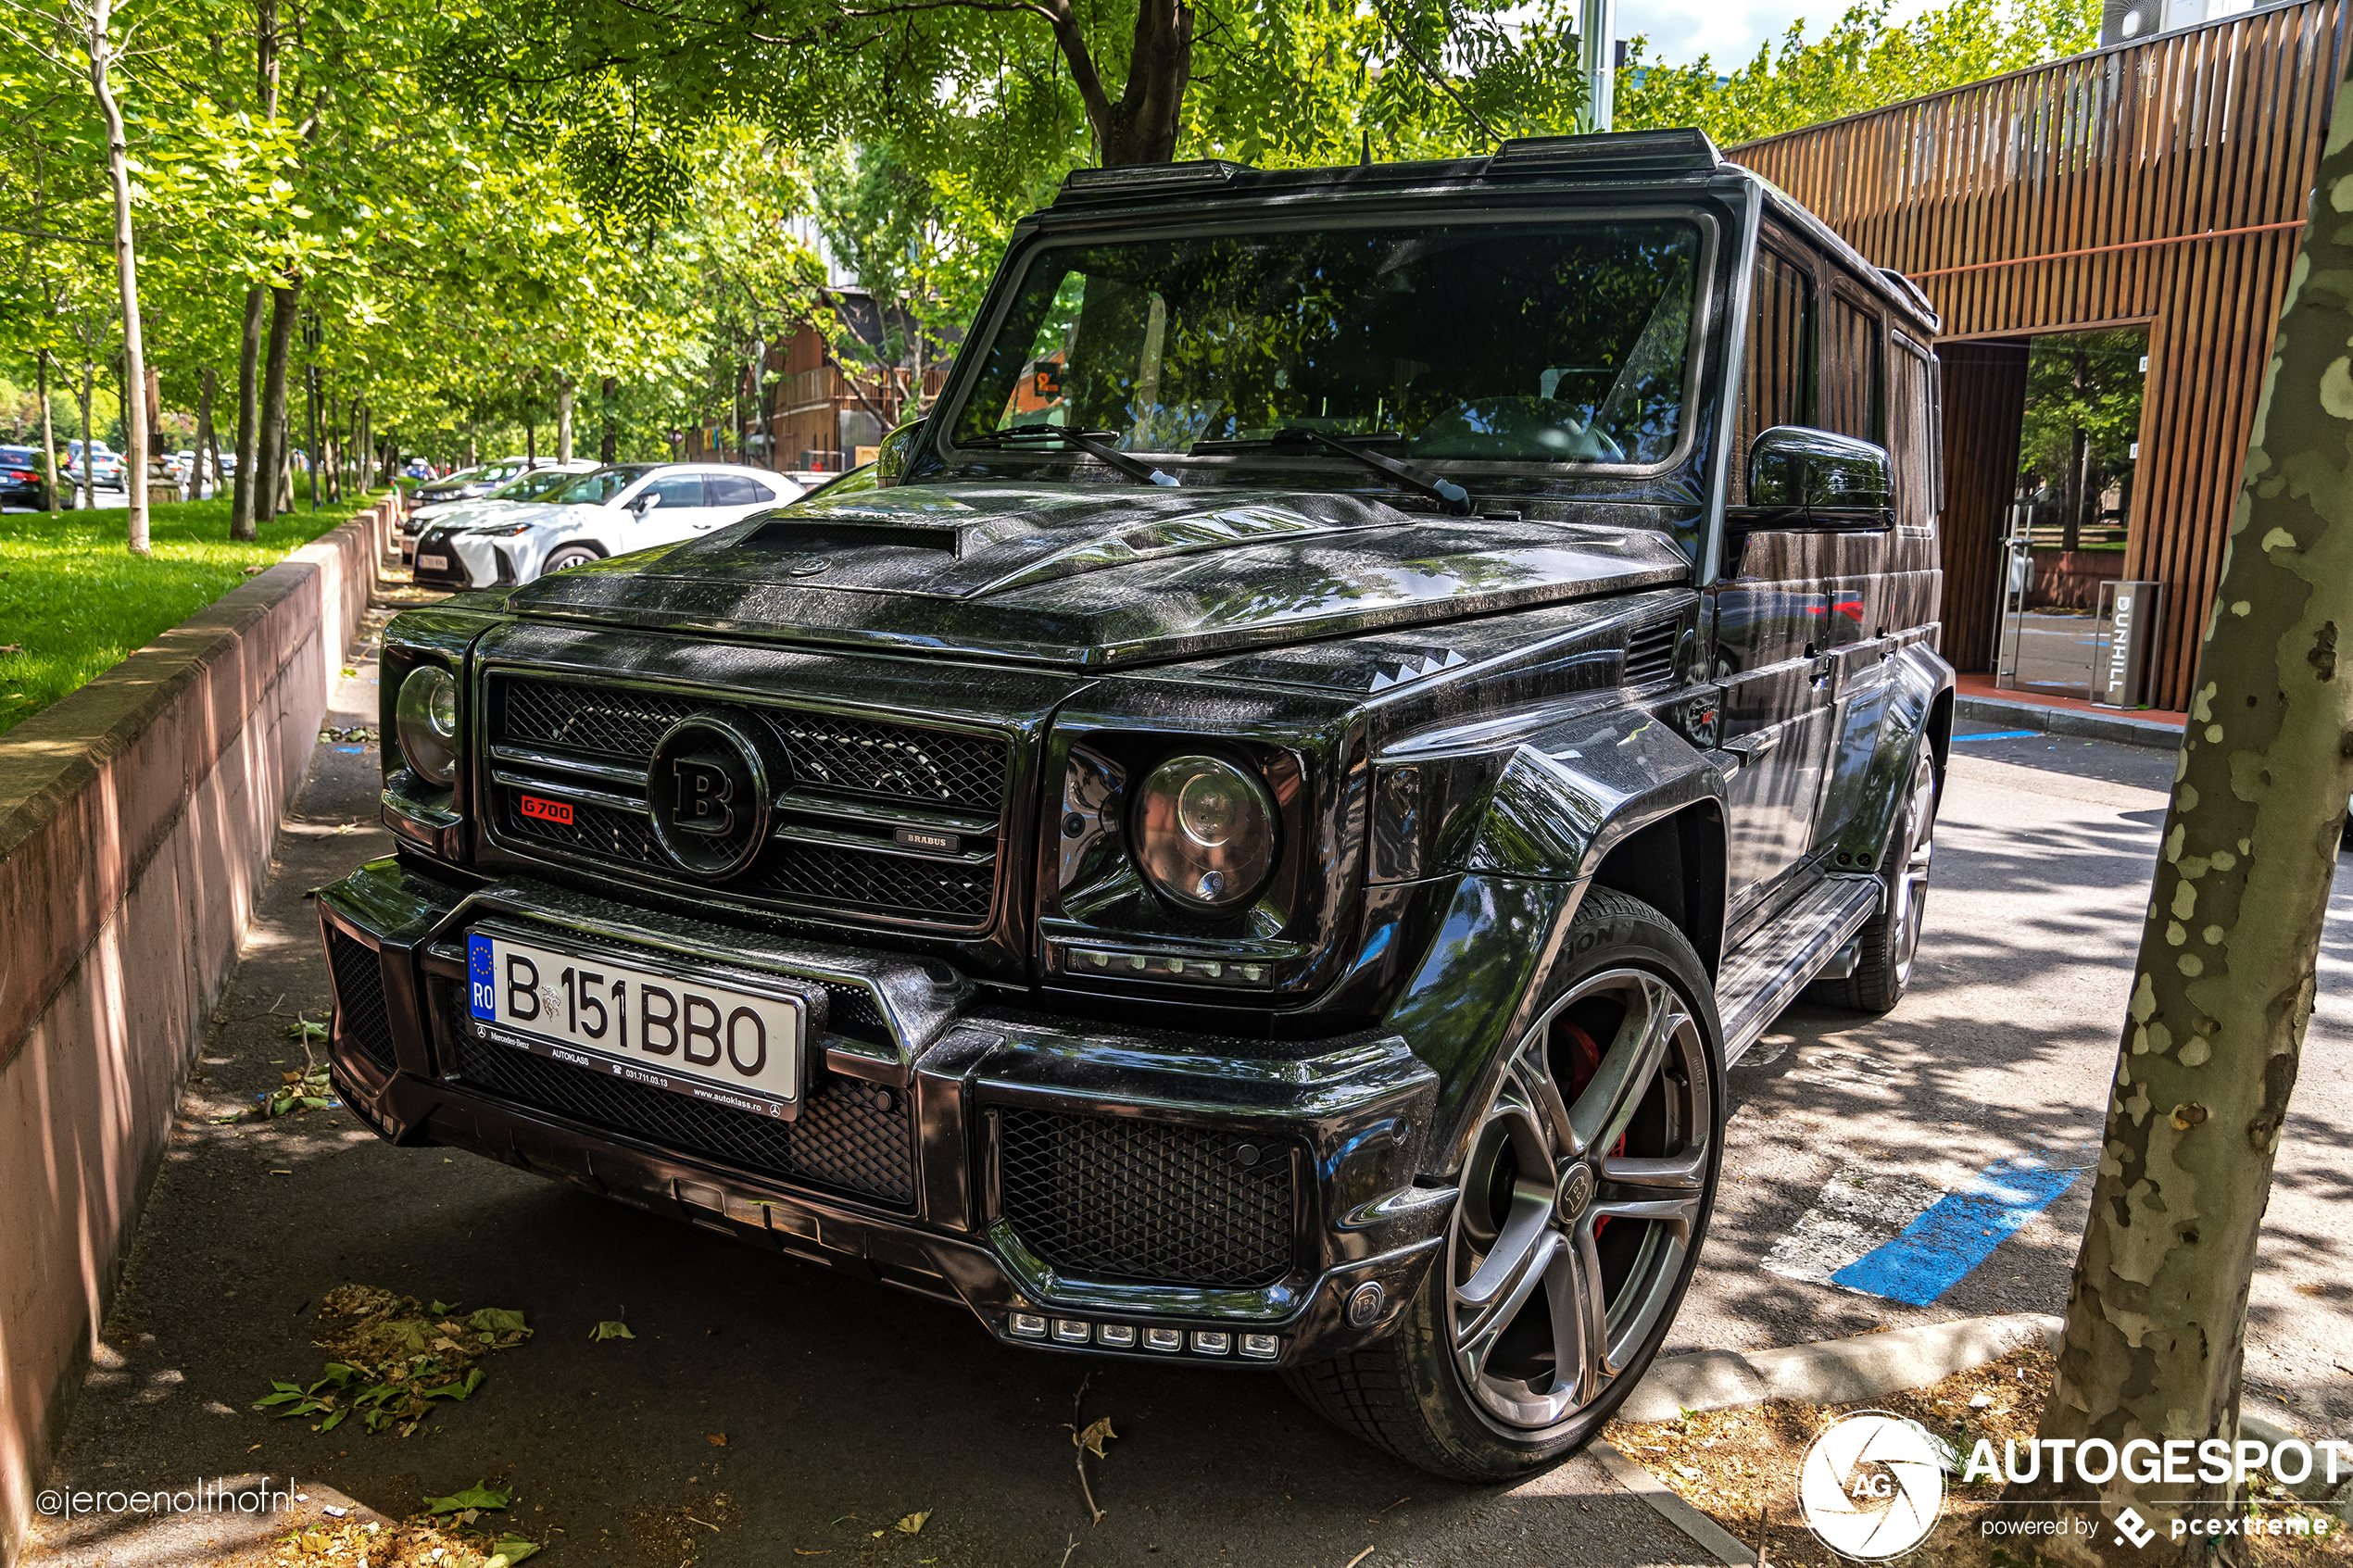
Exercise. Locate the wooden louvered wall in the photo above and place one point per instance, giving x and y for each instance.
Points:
(2162, 181)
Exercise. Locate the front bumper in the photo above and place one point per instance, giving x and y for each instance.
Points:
(917, 1159)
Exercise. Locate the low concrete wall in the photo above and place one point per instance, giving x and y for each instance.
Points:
(135, 824)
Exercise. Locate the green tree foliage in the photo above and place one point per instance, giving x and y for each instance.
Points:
(1862, 63)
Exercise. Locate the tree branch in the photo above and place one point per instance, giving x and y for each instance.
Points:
(1432, 75)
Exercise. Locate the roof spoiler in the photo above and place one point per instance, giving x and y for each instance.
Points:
(1199, 177)
(1610, 154)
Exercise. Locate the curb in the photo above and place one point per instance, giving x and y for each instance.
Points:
(1710, 1537)
(2119, 727)
(1831, 1372)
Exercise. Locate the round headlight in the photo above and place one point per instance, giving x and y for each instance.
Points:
(427, 716)
(1205, 834)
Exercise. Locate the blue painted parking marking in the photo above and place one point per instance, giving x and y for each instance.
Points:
(1931, 1255)
(481, 976)
(2003, 735)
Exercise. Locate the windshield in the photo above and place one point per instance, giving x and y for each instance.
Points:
(1554, 342)
(536, 485)
(596, 489)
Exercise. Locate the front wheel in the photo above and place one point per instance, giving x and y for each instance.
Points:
(1585, 1194)
(568, 558)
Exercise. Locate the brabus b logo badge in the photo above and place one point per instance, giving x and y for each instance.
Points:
(702, 797)
(712, 779)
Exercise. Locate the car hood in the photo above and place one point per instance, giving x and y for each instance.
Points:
(1092, 576)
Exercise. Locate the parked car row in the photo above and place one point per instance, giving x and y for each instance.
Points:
(536, 485)
(609, 511)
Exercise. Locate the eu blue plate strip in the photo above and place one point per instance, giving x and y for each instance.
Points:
(1931, 1255)
(2003, 735)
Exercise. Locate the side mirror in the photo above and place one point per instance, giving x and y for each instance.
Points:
(1800, 478)
(896, 454)
(644, 503)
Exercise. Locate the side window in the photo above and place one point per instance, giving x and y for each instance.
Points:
(677, 490)
(1917, 438)
(1777, 373)
(1852, 368)
(734, 490)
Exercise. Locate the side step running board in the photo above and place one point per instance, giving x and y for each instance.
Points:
(1766, 972)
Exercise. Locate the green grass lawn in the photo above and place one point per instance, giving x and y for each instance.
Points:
(77, 603)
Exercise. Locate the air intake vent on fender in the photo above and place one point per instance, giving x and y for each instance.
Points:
(1649, 653)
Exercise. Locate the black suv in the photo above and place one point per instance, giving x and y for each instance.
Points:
(1253, 841)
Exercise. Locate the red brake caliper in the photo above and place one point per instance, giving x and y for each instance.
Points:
(1585, 1063)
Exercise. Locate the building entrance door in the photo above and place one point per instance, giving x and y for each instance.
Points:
(2064, 532)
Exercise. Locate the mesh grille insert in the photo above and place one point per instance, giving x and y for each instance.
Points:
(360, 1014)
(1120, 1199)
(850, 1135)
(829, 753)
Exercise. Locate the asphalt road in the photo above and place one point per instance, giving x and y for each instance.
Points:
(845, 1407)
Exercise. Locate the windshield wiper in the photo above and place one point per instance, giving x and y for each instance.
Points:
(1088, 441)
(1412, 476)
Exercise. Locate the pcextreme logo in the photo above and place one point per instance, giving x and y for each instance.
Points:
(1871, 1486)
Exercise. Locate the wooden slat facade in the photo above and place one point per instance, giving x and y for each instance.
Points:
(2161, 183)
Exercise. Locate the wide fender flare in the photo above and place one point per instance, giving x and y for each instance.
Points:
(1572, 793)
(1919, 677)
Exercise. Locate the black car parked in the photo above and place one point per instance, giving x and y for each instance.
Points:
(20, 482)
(1254, 841)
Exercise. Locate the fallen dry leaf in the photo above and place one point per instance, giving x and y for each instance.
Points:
(716, 1439)
(1098, 1433)
(913, 1523)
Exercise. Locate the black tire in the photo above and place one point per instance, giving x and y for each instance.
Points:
(567, 558)
(1884, 964)
(1467, 1384)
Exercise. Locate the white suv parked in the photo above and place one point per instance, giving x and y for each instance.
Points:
(609, 512)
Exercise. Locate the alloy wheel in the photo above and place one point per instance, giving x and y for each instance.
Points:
(1587, 1178)
(1910, 892)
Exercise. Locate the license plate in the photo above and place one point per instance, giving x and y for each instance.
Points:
(433, 563)
(673, 1032)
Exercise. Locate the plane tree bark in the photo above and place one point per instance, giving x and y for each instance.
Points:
(2222, 989)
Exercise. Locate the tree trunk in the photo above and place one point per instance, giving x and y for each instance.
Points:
(2156, 1317)
(529, 444)
(1141, 127)
(268, 500)
(205, 439)
(285, 486)
(126, 266)
(2079, 465)
(48, 432)
(89, 468)
(610, 444)
(242, 509)
(565, 388)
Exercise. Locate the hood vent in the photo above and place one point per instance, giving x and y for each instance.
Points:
(1649, 653)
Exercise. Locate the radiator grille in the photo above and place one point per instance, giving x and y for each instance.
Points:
(850, 1136)
(1649, 653)
(839, 755)
(830, 757)
(360, 1014)
(1125, 1199)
